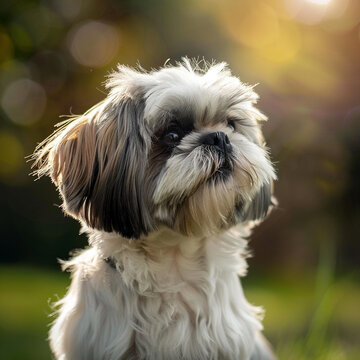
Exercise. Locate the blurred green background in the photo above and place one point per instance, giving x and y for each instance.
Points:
(305, 56)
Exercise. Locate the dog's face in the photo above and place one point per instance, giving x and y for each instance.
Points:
(179, 147)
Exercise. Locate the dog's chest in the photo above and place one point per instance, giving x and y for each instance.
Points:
(183, 309)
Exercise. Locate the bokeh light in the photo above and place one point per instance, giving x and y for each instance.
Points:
(93, 43)
(251, 23)
(313, 12)
(320, 2)
(285, 46)
(10, 71)
(69, 9)
(24, 101)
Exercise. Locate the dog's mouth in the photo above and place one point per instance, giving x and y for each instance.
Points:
(224, 170)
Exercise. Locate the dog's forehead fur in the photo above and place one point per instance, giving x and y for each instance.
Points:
(202, 96)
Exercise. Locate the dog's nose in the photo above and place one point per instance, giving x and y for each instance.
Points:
(218, 139)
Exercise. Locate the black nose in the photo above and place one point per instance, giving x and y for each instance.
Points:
(218, 139)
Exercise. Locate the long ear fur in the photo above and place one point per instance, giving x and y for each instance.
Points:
(97, 162)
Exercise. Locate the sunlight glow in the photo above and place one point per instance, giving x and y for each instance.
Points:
(319, 2)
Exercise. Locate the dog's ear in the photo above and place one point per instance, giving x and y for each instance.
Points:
(98, 162)
(260, 205)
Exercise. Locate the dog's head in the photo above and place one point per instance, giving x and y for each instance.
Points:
(180, 147)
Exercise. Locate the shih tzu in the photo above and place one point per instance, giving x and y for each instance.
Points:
(167, 175)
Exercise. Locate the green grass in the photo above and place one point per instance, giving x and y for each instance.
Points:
(301, 321)
(25, 294)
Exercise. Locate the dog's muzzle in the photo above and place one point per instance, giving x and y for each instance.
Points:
(219, 141)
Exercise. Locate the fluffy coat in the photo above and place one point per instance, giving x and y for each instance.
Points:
(167, 176)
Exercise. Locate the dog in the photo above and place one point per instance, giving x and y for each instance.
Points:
(167, 175)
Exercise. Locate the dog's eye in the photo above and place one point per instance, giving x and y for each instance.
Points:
(171, 138)
(231, 125)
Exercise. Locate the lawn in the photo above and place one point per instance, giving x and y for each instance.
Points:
(301, 321)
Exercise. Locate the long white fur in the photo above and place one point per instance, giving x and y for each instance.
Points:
(171, 297)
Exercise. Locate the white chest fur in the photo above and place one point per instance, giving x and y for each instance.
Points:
(169, 297)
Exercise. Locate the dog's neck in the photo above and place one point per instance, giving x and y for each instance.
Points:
(172, 259)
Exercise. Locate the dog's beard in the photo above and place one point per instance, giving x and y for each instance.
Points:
(201, 191)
